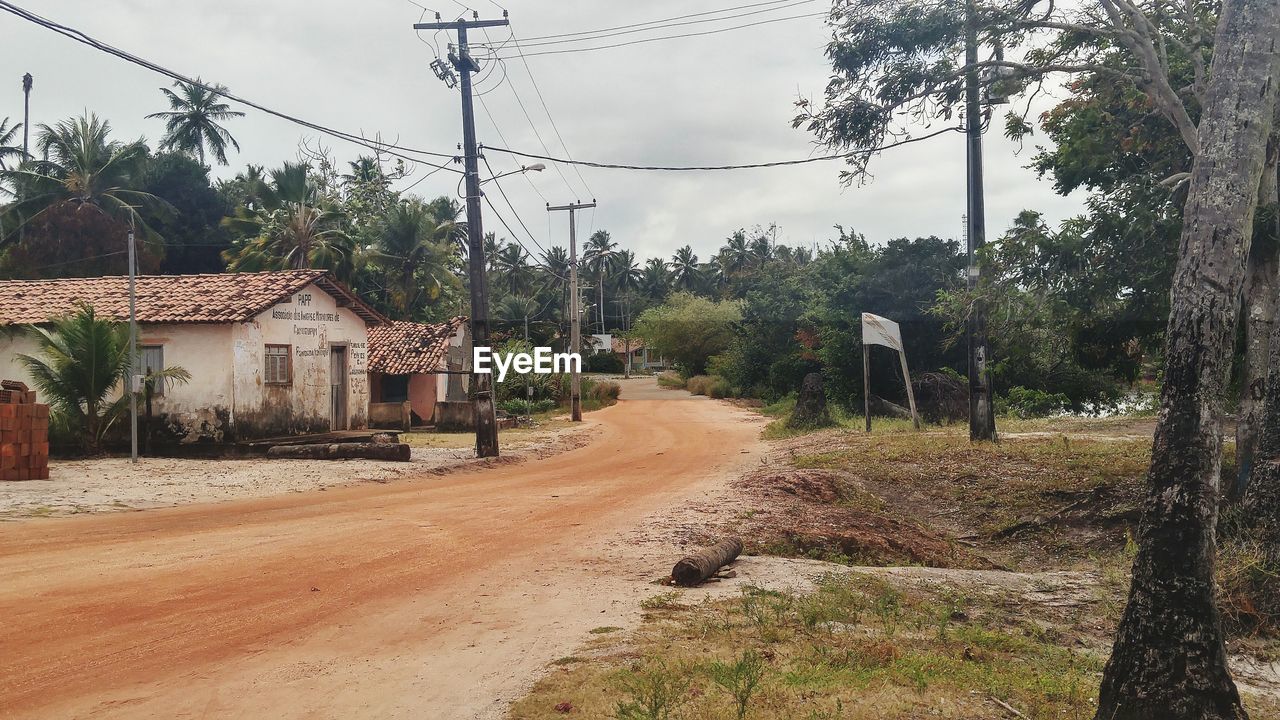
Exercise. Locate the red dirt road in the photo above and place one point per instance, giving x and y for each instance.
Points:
(436, 597)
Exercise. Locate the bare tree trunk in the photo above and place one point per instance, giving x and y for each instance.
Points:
(1260, 303)
(1169, 660)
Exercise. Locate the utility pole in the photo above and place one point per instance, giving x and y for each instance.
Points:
(482, 384)
(982, 420)
(132, 383)
(575, 319)
(26, 115)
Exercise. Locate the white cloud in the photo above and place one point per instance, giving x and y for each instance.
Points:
(719, 99)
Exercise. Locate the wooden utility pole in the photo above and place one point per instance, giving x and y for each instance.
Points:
(982, 419)
(575, 321)
(482, 384)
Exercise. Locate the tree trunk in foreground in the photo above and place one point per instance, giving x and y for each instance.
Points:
(703, 564)
(1260, 304)
(1169, 660)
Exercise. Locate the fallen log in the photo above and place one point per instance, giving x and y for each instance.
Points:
(398, 452)
(701, 565)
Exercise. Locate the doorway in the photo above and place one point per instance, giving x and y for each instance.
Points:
(338, 387)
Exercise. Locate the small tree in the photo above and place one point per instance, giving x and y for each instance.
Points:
(83, 359)
(689, 329)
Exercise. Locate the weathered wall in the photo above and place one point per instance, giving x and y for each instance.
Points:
(198, 411)
(311, 323)
(201, 409)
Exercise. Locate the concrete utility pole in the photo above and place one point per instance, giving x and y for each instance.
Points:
(26, 115)
(482, 384)
(132, 383)
(575, 319)
(982, 419)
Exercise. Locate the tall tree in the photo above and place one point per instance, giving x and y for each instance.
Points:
(413, 249)
(1169, 659)
(295, 226)
(600, 250)
(685, 273)
(73, 210)
(9, 151)
(192, 124)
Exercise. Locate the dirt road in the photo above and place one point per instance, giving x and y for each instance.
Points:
(435, 597)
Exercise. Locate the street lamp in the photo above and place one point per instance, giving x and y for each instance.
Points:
(536, 167)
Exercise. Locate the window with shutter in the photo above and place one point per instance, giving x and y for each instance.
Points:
(277, 367)
(153, 362)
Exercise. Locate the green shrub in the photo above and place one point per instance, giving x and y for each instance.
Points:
(699, 384)
(671, 379)
(1025, 403)
(605, 392)
(602, 363)
(524, 407)
(709, 385)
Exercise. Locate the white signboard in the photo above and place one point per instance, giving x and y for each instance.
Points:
(877, 330)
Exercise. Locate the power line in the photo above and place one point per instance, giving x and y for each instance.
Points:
(668, 37)
(493, 178)
(85, 39)
(547, 110)
(657, 22)
(536, 134)
(689, 168)
(655, 26)
(494, 122)
(516, 237)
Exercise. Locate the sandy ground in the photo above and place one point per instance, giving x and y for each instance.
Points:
(435, 596)
(115, 484)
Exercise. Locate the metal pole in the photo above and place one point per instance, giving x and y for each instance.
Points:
(866, 385)
(982, 422)
(26, 115)
(131, 380)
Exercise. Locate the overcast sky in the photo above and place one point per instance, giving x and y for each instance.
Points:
(719, 99)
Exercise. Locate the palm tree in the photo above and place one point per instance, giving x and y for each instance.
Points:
(413, 247)
(513, 261)
(598, 257)
(735, 251)
(626, 280)
(87, 176)
(761, 250)
(685, 273)
(556, 267)
(294, 227)
(83, 360)
(656, 280)
(191, 123)
(9, 135)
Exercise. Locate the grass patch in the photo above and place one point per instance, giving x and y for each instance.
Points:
(857, 648)
(1039, 493)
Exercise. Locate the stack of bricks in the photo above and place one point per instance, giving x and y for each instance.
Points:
(24, 434)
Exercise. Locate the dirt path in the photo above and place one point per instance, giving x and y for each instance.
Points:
(430, 597)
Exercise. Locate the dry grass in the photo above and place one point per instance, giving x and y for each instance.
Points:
(858, 647)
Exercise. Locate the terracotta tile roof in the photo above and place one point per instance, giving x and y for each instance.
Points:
(405, 348)
(213, 298)
(620, 345)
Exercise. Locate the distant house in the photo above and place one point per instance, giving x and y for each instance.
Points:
(270, 353)
(409, 373)
(640, 357)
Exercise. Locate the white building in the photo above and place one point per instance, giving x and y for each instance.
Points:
(271, 353)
